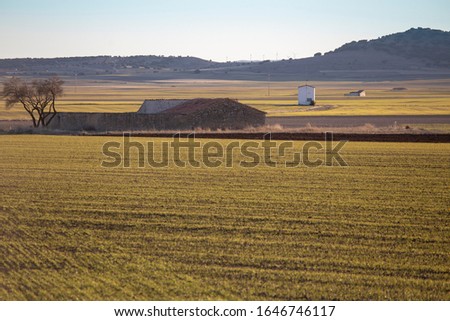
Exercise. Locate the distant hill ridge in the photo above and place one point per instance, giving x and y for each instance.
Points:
(422, 43)
(112, 62)
(418, 53)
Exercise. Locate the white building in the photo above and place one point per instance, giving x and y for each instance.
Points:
(306, 95)
(359, 93)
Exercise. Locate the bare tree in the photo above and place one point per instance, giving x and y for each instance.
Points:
(37, 98)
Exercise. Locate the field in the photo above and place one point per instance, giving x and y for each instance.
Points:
(425, 97)
(377, 229)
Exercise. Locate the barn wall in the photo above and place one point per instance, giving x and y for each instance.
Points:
(226, 118)
(102, 122)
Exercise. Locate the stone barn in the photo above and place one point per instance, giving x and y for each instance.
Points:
(154, 115)
(218, 113)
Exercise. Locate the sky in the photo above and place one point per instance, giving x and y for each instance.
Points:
(208, 29)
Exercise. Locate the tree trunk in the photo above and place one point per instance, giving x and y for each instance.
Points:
(51, 113)
(35, 124)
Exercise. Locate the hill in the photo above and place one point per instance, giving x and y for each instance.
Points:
(414, 54)
(101, 64)
(420, 53)
(431, 46)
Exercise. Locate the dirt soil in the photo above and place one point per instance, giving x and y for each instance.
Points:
(422, 138)
(352, 121)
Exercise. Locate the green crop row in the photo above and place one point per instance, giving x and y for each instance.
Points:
(377, 229)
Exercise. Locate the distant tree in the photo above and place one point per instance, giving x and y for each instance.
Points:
(37, 98)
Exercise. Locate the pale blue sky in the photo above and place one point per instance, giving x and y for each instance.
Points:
(218, 30)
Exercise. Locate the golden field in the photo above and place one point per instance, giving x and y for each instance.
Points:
(430, 97)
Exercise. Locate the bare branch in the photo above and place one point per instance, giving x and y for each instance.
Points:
(38, 98)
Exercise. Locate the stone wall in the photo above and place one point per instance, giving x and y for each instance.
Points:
(209, 118)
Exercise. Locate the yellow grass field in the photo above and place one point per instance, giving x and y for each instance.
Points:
(430, 97)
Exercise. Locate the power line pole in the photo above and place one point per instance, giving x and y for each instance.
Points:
(76, 82)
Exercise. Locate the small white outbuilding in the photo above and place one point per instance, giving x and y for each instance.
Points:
(306, 95)
(359, 93)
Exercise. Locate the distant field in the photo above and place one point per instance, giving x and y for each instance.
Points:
(431, 97)
(72, 230)
(383, 123)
